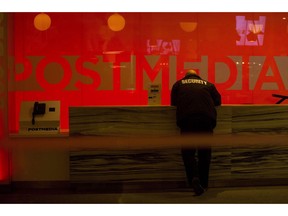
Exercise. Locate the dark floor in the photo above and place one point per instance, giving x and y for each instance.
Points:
(239, 195)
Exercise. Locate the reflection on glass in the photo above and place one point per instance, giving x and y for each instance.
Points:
(251, 32)
(163, 47)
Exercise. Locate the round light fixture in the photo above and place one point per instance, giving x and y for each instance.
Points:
(116, 22)
(188, 26)
(42, 22)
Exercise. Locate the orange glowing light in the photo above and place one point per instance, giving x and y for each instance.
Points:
(42, 22)
(188, 26)
(116, 22)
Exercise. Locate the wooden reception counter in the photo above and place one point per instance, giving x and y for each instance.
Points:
(140, 146)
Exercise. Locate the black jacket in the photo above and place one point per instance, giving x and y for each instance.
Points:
(195, 97)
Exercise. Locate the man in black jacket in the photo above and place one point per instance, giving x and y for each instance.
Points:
(196, 100)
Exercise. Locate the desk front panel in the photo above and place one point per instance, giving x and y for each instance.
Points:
(234, 164)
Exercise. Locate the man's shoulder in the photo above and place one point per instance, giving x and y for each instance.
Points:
(177, 82)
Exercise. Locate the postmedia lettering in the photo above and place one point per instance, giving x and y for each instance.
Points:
(227, 72)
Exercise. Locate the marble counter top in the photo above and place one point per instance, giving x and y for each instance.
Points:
(160, 120)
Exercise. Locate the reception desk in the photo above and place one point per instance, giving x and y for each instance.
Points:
(139, 146)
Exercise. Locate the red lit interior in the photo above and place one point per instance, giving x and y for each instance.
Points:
(63, 63)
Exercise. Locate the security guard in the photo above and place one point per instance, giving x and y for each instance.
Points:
(196, 100)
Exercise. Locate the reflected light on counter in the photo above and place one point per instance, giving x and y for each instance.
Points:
(42, 22)
(116, 22)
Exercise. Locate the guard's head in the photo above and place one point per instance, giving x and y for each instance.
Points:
(190, 72)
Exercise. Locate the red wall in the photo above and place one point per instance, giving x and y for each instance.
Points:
(81, 62)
